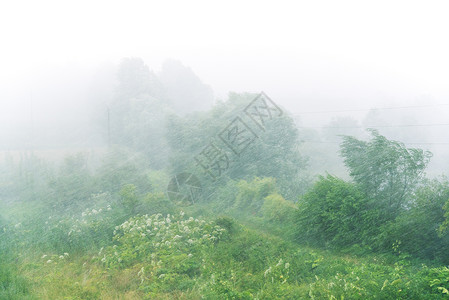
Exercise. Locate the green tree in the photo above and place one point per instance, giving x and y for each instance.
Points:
(386, 171)
(418, 227)
(274, 153)
(332, 213)
(137, 112)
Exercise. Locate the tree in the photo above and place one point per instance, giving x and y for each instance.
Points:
(386, 170)
(333, 213)
(137, 112)
(418, 228)
(274, 153)
(185, 91)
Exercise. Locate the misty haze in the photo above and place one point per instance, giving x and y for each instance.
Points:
(200, 150)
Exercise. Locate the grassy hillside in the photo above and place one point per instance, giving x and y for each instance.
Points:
(186, 256)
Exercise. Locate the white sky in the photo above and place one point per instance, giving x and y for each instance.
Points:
(314, 54)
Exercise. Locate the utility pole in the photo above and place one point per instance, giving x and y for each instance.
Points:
(32, 139)
(109, 128)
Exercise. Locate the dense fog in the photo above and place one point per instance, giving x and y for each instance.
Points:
(320, 129)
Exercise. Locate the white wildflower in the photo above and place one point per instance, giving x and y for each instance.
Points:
(190, 255)
(279, 263)
(287, 265)
(101, 250)
(267, 271)
(141, 274)
(161, 276)
(66, 254)
(109, 208)
(61, 257)
(181, 213)
(49, 261)
(44, 256)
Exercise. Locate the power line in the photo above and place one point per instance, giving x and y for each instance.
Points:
(368, 109)
(377, 126)
(327, 142)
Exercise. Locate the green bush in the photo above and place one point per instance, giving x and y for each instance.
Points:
(332, 213)
(251, 195)
(418, 227)
(155, 203)
(276, 209)
(438, 279)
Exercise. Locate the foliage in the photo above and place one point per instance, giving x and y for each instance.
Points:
(445, 225)
(386, 171)
(439, 280)
(107, 230)
(76, 232)
(251, 194)
(273, 154)
(73, 185)
(119, 167)
(128, 197)
(158, 202)
(12, 284)
(418, 227)
(332, 213)
(276, 209)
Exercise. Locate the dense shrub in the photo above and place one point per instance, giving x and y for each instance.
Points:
(418, 228)
(332, 213)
